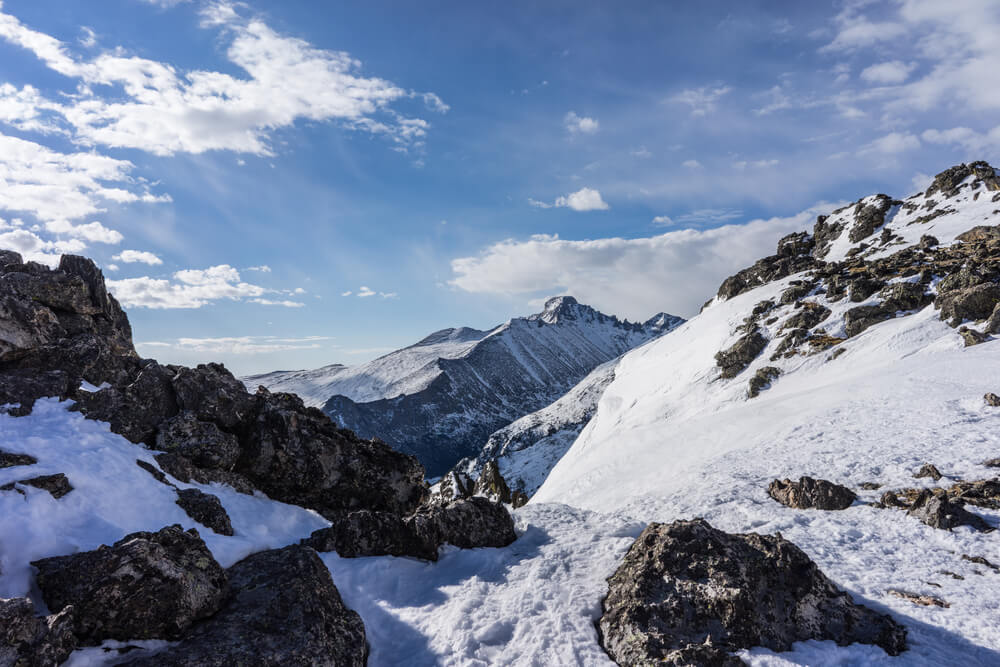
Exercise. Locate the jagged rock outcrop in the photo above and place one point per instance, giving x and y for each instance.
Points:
(57, 485)
(762, 380)
(467, 523)
(809, 493)
(734, 359)
(201, 442)
(283, 610)
(206, 509)
(686, 584)
(10, 459)
(937, 511)
(144, 586)
(27, 640)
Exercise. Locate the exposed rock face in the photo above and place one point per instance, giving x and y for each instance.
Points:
(733, 360)
(973, 303)
(492, 485)
(809, 493)
(206, 509)
(9, 460)
(185, 471)
(683, 583)
(467, 523)
(202, 442)
(284, 610)
(869, 217)
(145, 586)
(860, 318)
(798, 243)
(27, 640)
(456, 484)
(137, 406)
(938, 512)
(928, 470)
(23, 386)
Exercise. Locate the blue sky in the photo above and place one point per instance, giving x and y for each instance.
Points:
(289, 184)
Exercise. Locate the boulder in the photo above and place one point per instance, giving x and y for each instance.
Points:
(972, 337)
(201, 442)
(492, 485)
(928, 470)
(686, 584)
(762, 380)
(862, 287)
(938, 512)
(972, 303)
(206, 509)
(467, 523)
(807, 316)
(993, 323)
(24, 386)
(185, 471)
(809, 493)
(27, 640)
(212, 394)
(860, 318)
(992, 400)
(455, 485)
(980, 233)
(136, 408)
(798, 243)
(283, 611)
(367, 533)
(297, 455)
(869, 217)
(947, 181)
(9, 459)
(145, 586)
(733, 360)
(904, 296)
(57, 485)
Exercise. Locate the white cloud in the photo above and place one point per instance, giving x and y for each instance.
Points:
(894, 142)
(691, 164)
(137, 256)
(347, 293)
(388, 295)
(663, 221)
(235, 345)
(263, 268)
(891, 72)
(584, 199)
(701, 100)
(363, 292)
(111, 267)
(704, 216)
(88, 38)
(965, 137)
(641, 152)
(285, 303)
(580, 124)
(676, 271)
(191, 288)
(165, 111)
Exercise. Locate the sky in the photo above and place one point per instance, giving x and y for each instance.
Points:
(291, 184)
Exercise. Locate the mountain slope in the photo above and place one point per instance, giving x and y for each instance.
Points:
(441, 398)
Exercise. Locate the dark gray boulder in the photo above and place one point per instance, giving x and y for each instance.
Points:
(366, 533)
(686, 583)
(27, 640)
(206, 509)
(938, 512)
(57, 485)
(762, 380)
(10, 459)
(809, 493)
(24, 386)
(928, 470)
(283, 611)
(972, 303)
(466, 523)
(182, 469)
(455, 485)
(972, 337)
(135, 408)
(734, 359)
(145, 586)
(869, 217)
(213, 394)
(860, 318)
(202, 442)
(992, 400)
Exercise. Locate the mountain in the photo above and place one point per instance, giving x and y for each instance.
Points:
(441, 398)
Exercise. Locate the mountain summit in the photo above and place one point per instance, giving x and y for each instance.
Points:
(441, 398)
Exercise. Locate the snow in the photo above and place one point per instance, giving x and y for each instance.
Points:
(111, 497)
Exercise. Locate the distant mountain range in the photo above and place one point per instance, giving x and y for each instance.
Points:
(441, 398)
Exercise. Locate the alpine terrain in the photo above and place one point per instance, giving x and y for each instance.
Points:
(441, 398)
(804, 473)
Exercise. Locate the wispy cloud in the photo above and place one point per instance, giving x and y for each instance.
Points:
(240, 345)
(580, 124)
(702, 101)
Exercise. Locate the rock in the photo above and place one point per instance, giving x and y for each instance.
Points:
(367, 533)
(860, 318)
(185, 471)
(992, 400)
(947, 181)
(297, 455)
(992, 463)
(9, 459)
(212, 394)
(928, 470)
(923, 600)
(24, 386)
(927, 242)
(890, 499)
(981, 493)
(993, 323)
(137, 407)
(869, 217)
(145, 586)
(764, 271)
(733, 360)
(284, 610)
(202, 442)
(939, 512)
(683, 583)
(57, 484)
(492, 485)
(798, 243)
(762, 380)
(870, 486)
(904, 296)
(152, 470)
(979, 560)
(980, 233)
(206, 509)
(467, 523)
(809, 493)
(862, 287)
(27, 640)
(455, 485)
(972, 337)
(972, 303)
(796, 291)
